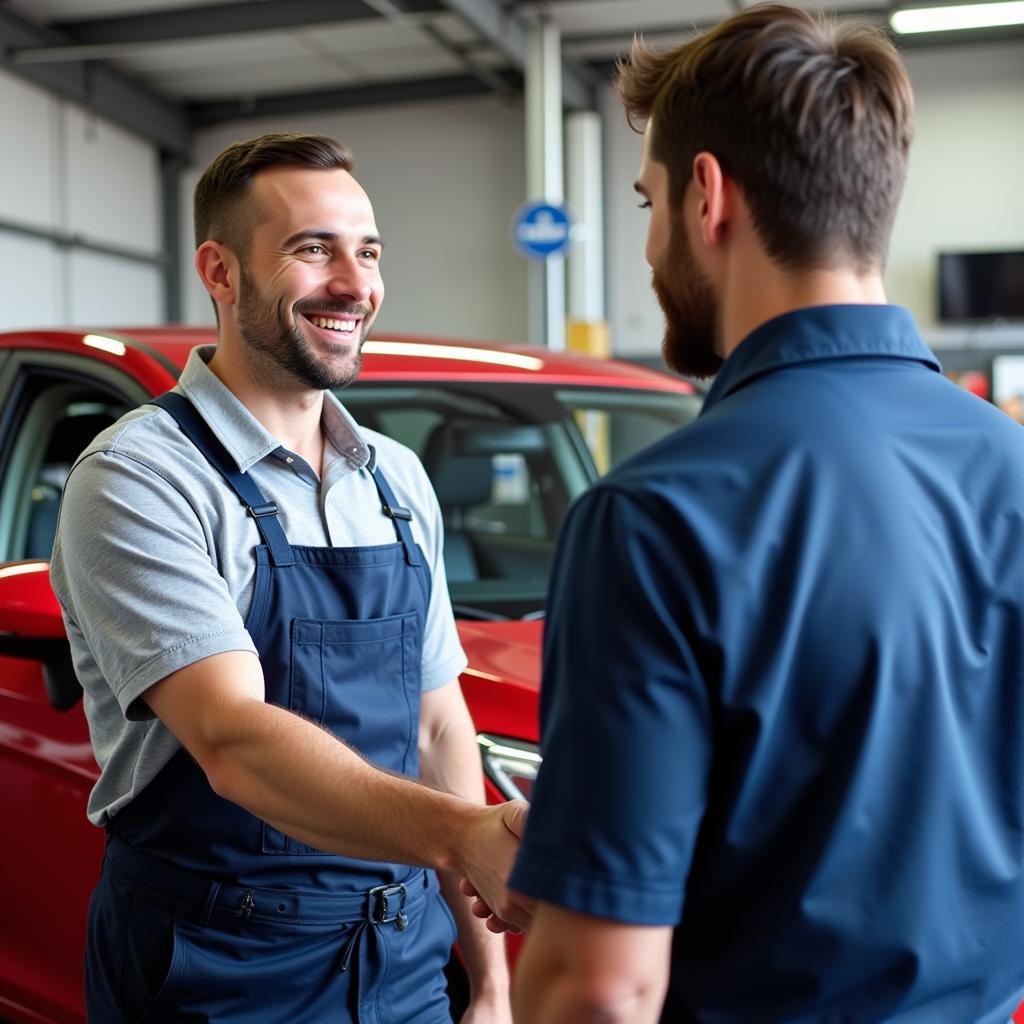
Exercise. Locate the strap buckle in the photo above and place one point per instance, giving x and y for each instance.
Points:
(257, 511)
(387, 905)
(396, 511)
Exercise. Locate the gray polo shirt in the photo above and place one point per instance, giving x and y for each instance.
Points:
(153, 563)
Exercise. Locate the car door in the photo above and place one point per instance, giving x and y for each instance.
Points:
(51, 405)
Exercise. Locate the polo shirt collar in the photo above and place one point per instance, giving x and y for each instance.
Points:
(245, 438)
(821, 333)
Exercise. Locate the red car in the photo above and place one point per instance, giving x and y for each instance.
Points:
(509, 436)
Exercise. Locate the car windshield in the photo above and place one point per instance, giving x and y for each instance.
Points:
(506, 461)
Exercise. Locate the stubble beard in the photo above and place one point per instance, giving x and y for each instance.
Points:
(277, 351)
(692, 315)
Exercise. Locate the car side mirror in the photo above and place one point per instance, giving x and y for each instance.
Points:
(31, 627)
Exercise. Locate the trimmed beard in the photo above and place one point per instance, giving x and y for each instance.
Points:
(275, 344)
(692, 320)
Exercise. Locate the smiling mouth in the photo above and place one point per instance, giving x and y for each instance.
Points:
(327, 323)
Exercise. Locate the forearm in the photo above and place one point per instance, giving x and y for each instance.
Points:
(553, 995)
(310, 785)
(307, 783)
(577, 969)
(562, 1002)
(484, 955)
(450, 761)
(542, 993)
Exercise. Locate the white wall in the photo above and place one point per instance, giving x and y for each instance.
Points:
(63, 169)
(965, 184)
(445, 179)
(28, 186)
(965, 189)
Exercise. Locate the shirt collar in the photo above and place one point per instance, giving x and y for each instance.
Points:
(245, 438)
(821, 333)
(343, 433)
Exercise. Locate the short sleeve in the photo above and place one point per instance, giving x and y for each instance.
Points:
(133, 572)
(625, 723)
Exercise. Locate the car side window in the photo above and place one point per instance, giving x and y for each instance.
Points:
(512, 504)
(410, 427)
(515, 505)
(56, 423)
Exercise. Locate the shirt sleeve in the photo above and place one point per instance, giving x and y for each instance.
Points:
(133, 573)
(625, 723)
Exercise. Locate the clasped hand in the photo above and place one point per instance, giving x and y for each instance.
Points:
(488, 864)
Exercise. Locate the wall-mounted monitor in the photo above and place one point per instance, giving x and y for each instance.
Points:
(981, 286)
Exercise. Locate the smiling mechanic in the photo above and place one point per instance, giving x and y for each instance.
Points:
(782, 776)
(254, 591)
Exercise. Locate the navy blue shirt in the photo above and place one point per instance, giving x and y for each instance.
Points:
(783, 700)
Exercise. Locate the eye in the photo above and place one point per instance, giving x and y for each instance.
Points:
(645, 205)
(313, 250)
(369, 254)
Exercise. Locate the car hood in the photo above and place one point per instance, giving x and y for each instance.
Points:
(502, 681)
(503, 652)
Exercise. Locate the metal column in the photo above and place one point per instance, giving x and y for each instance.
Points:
(588, 329)
(543, 100)
(170, 216)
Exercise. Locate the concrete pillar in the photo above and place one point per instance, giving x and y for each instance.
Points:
(587, 326)
(544, 175)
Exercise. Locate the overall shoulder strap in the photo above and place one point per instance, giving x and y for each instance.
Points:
(264, 512)
(401, 517)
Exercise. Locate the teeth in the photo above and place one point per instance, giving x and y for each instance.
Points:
(345, 326)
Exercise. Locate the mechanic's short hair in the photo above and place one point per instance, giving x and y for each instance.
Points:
(813, 119)
(220, 211)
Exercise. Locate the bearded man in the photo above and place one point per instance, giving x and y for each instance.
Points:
(782, 714)
(254, 591)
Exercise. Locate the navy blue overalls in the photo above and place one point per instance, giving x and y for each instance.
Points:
(206, 913)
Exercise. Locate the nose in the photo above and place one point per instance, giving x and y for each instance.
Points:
(349, 280)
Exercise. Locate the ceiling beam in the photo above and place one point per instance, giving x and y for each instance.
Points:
(99, 88)
(218, 111)
(509, 33)
(114, 36)
(397, 12)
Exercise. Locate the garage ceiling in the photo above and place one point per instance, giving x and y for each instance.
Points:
(200, 63)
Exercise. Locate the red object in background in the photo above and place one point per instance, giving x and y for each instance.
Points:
(976, 382)
(52, 855)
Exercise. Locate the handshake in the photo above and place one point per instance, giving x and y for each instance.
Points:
(488, 855)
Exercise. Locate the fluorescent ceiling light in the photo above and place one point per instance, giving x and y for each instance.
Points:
(957, 17)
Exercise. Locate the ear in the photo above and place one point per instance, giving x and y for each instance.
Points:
(218, 269)
(714, 193)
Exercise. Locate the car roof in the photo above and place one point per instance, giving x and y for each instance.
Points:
(392, 357)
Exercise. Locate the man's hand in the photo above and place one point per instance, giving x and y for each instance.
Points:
(503, 910)
(487, 863)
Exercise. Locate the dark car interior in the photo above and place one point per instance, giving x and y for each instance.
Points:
(504, 472)
(71, 434)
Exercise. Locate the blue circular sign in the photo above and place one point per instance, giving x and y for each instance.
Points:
(542, 229)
